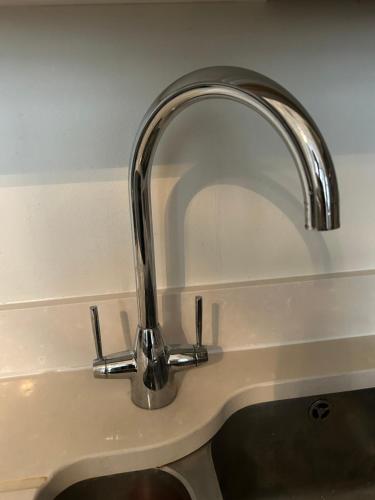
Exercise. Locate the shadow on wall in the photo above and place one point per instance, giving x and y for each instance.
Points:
(246, 171)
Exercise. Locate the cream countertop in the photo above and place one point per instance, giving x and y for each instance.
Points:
(76, 426)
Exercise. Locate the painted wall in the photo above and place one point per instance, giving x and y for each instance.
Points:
(74, 84)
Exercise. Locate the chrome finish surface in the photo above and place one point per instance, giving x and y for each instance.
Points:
(198, 320)
(319, 187)
(151, 366)
(269, 99)
(154, 381)
(285, 450)
(120, 364)
(95, 324)
(141, 485)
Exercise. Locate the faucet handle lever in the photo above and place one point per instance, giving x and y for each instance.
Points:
(95, 323)
(198, 319)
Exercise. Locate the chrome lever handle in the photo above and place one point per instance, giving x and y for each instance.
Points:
(198, 320)
(95, 323)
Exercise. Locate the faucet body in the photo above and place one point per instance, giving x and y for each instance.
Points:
(152, 364)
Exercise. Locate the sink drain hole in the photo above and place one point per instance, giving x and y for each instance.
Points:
(320, 410)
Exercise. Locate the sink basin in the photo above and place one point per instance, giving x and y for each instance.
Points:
(306, 448)
(310, 448)
(151, 484)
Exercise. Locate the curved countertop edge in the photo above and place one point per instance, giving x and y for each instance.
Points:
(138, 459)
(255, 376)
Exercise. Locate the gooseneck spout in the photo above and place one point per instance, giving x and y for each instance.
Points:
(152, 364)
(266, 97)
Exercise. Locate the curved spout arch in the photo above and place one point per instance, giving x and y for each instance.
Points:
(277, 106)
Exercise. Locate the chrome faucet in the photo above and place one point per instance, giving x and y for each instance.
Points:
(152, 364)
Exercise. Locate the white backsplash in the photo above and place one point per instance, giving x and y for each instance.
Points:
(74, 84)
(57, 335)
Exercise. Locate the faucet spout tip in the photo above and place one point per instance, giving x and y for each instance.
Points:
(326, 220)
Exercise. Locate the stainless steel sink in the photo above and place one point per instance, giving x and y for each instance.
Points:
(151, 484)
(307, 448)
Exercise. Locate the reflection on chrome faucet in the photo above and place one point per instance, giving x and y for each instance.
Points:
(152, 364)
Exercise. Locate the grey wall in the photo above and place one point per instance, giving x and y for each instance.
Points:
(74, 84)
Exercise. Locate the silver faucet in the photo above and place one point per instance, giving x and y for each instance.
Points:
(152, 364)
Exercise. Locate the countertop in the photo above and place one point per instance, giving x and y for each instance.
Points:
(67, 426)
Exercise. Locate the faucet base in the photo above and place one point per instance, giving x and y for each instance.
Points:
(152, 365)
(152, 400)
(153, 386)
